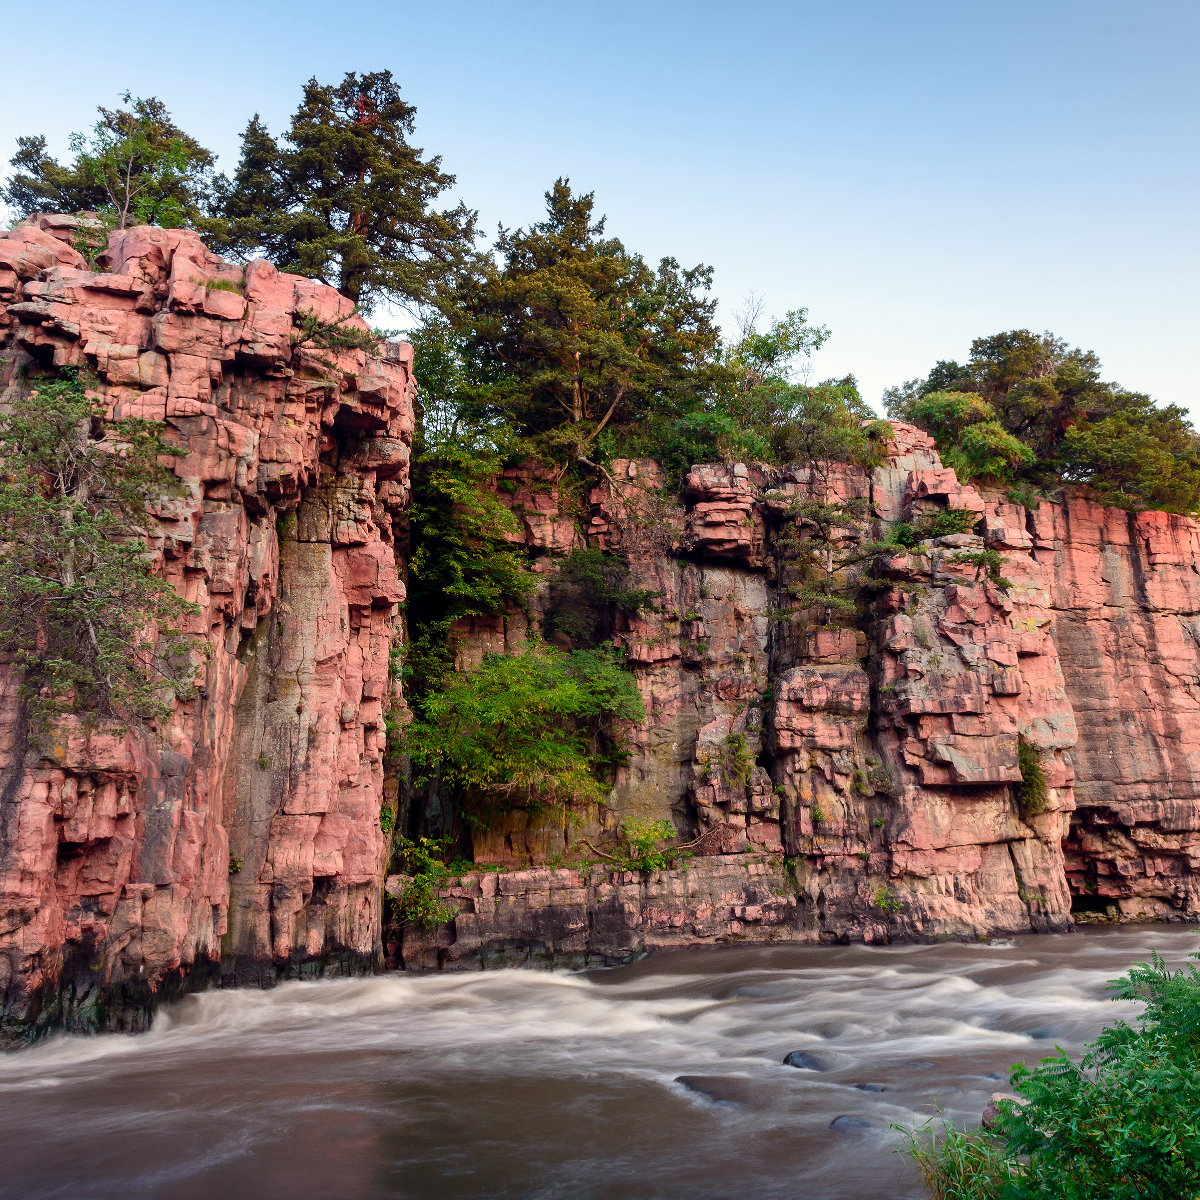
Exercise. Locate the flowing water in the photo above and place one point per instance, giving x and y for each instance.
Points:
(663, 1078)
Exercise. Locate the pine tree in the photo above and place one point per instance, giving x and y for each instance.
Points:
(345, 199)
(569, 331)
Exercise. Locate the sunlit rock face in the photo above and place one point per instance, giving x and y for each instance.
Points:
(1124, 590)
(881, 759)
(853, 780)
(242, 834)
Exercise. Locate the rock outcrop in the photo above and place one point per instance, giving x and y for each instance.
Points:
(852, 780)
(242, 834)
(1124, 590)
(881, 762)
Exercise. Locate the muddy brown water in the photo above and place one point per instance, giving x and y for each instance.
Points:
(664, 1078)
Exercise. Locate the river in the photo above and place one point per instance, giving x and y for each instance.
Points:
(561, 1085)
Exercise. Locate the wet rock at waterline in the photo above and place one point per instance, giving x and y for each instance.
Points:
(806, 1061)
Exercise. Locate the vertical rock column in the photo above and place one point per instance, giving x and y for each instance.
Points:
(118, 845)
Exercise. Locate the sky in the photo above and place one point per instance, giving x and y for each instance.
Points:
(914, 174)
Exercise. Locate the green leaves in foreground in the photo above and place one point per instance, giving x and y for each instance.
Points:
(1122, 1124)
(81, 614)
(532, 728)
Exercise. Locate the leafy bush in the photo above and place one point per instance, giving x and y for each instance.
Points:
(530, 728)
(587, 587)
(419, 901)
(1122, 1124)
(986, 450)
(642, 838)
(932, 525)
(985, 562)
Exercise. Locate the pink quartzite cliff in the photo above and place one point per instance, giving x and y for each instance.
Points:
(852, 783)
(245, 830)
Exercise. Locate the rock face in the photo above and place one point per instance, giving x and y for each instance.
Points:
(881, 760)
(855, 780)
(1125, 595)
(241, 835)
(598, 917)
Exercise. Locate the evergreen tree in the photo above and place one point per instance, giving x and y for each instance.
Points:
(345, 199)
(136, 167)
(569, 331)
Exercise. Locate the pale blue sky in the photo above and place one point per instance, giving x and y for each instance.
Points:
(915, 174)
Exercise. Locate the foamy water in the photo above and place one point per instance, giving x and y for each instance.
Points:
(553, 1084)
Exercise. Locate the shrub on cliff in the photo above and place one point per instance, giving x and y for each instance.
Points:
(532, 729)
(1122, 1124)
(92, 629)
(1027, 408)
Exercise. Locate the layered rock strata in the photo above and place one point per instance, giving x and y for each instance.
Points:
(853, 780)
(598, 916)
(1124, 591)
(241, 834)
(881, 762)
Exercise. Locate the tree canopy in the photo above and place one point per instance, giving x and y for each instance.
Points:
(136, 167)
(1028, 409)
(344, 197)
(566, 330)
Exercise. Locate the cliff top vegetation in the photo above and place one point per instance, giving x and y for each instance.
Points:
(1028, 411)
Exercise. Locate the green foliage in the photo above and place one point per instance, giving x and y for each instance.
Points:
(462, 562)
(954, 1164)
(986, 450)
(1122, 1123)
(235, 864)
(587, 587)
(569, 331)
(947, 414)
(136, 168)
(1028, 408)
(312, 332)
(642, 839)
(345, 197)
(1134, 460)
(420, 901)
(677, 442)
(931, 525)
(985, 562)
(886, 900)
(820, 425)
(732, 762)
(82, 616)
(1031, 792)
(531, 728)
(829, 546)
